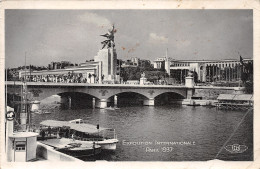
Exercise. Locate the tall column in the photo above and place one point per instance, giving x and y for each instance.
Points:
(112, 63)
(149, 102)
(226, 73)
(229, 73)
(219, 73)
(216, 72)
(233, 73)
(204, 73)
(213, 73)
(237, 72)
(100, 72)
(23, 120)
(181, 76)
(209, 74)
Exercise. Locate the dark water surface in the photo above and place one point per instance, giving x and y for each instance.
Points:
(200, 132)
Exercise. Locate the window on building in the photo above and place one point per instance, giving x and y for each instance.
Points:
(20, 146)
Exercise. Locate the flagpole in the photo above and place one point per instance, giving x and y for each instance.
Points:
(240, 73)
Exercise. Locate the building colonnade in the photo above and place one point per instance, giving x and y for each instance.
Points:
(208, 71)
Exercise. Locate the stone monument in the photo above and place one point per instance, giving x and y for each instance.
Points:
(189, 80)
(143, 79)
(108, 56)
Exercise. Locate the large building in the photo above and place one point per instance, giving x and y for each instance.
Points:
(136, 62)
(210, 70)
(163, 63)
(206, 70)
(84, 73)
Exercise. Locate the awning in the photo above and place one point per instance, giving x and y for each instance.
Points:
(236, 97)
(243, 97)
(226, 96)
(86, 128)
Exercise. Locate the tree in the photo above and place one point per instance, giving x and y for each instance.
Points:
(124, 75)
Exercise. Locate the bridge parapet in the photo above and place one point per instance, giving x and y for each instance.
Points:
(103, 92)
(18, 83)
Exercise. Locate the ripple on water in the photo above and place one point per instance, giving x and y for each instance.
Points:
(208, 128)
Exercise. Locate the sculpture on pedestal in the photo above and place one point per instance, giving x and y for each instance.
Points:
(143, 80)
(110, 38)
(107, 57)
(143, 75)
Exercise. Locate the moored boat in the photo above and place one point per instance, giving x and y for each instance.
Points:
(74, 148)
(193, 103)
(81, 131)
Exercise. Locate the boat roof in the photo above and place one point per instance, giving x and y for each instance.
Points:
(83, 127)
(226, 96)
(238, 97)
(243, 97)
(23, 135)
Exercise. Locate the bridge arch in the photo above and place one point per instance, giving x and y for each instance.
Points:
(167, 98)
(125, 92)
(126, 98)
(74, 100)
(178, 93)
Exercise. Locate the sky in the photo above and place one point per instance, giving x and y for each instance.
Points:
(74, 35)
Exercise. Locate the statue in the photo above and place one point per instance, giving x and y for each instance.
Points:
(110, 38)
(190, 73)
(143, 75)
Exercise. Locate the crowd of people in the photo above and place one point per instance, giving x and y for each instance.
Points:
(57, 132)
(79, 78)
(63, 78)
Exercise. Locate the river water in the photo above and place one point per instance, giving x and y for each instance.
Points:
(197, 133)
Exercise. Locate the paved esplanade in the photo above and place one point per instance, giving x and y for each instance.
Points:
(102, 92)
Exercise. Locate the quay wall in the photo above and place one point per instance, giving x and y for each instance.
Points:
(211, 93)
(50, 154)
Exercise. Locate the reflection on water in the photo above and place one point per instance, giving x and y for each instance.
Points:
(167, 133)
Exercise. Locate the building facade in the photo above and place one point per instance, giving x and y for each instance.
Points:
(88, 72)
(163, 63)
(210, 70)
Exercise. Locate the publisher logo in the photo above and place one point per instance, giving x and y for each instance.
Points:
(236, 148)
(10, 115)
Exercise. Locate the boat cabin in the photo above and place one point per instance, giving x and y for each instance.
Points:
(79, 130)
(235, 101)
(77, 121)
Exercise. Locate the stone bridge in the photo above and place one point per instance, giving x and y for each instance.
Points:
(101, 93)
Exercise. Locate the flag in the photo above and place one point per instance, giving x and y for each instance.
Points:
(241, 60)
